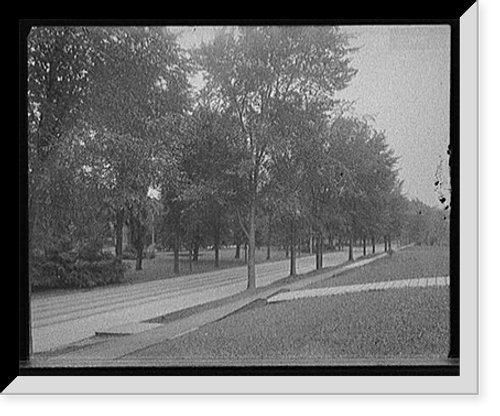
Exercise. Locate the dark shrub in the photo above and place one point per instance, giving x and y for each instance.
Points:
(48, 274)
(69, 270)
(89, 250)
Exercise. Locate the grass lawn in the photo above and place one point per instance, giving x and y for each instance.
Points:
(397, 323)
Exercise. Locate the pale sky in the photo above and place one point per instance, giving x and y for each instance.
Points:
(403, 81)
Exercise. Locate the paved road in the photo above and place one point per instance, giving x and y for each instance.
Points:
(61, 320)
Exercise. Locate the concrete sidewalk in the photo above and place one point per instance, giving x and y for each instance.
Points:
(340, 290)
(104, 350)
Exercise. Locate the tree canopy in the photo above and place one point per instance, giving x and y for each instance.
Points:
(264, 151)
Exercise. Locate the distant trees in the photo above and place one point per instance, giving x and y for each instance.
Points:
(371, 196)
(425, 225)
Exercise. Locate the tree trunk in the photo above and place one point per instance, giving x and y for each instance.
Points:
(310, 241)
(153, 242)
(120, 220)
(373, 244)
(268, 255)
(389, 242)
(319, 251)
(287, 251)
(137, 238)
(216, 249)
(190, 258)
(196, 250)
(177, 269)
(237, 254)
(251, 284)
(139, 248)
(293, 265)
(316, 253)
(351, 253)
(138, 258)
(364, 246)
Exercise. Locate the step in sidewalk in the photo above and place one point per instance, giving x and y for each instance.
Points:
(128, 329)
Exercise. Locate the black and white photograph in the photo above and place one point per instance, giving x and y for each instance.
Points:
(254, 199)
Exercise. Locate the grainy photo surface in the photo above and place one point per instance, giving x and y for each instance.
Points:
(243, 196)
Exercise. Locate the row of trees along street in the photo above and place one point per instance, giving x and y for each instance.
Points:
(263, 153)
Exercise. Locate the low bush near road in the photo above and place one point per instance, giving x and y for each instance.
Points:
(71, 270)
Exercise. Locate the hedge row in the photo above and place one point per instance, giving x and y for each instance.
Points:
(66, 271)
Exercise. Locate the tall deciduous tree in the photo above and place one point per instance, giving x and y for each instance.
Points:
(58, 64)
(139, 85)
(251, 70)
(295, 155)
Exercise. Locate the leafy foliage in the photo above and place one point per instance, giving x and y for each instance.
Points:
(66, 272)
(265, 149)
(261, 76)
